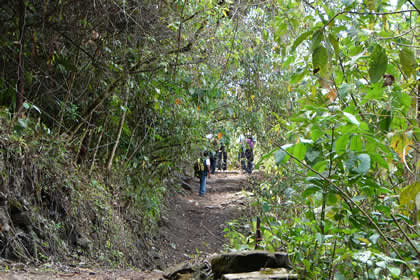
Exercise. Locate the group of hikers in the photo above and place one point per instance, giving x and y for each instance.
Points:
(216, 158)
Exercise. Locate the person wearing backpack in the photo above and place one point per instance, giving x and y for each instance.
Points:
(204, 171)
(249, 153)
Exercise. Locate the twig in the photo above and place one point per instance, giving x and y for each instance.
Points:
(212, 233)
(398, 36)
(406, 236)
(365, 14)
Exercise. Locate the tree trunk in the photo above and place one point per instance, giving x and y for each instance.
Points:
(97, 146)
(21, 65)
(117, 141)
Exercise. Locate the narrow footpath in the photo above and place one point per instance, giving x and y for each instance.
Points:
(194, 225)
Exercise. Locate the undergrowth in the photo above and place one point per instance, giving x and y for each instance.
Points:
(52, 210)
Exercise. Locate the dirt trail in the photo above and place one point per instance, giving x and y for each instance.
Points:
(195, 225)
(192, 227)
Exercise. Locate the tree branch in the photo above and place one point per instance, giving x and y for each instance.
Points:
(365, 14)
(414, 6)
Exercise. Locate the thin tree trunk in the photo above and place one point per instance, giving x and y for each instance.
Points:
(21, 61)
(97, 146)
(117, 141)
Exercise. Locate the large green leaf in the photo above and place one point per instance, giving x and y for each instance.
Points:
(317, 38)
(279, 156)
(378, 62)
(364, 164)
(300, 39)
(320, 58)
(356, 143)
(319, 167)
(299, 151)
(297, 76)
(408, 61)
(409, 194)
(316, 133)
(311, 190)
(334, 42)
(351, 118)
(341, 143)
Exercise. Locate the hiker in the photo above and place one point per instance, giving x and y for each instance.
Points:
(204, 172)
(222, 157)
(241, 154)
(249, 153)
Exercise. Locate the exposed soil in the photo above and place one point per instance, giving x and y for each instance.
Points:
(193, 227)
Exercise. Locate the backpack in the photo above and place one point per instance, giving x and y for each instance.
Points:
(198, 167)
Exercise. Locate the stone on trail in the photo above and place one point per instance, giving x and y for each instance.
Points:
(186, 270)
(248, 261)
(266, 274)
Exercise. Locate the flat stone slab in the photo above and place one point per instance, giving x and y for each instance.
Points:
(265, 274)
(248, 261)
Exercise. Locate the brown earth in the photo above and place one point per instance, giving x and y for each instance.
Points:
(192, 228)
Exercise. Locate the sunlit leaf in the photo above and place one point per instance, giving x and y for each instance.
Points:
(409, 194)
(299, 151)
(351, 118)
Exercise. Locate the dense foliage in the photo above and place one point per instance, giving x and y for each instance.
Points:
(330, 89)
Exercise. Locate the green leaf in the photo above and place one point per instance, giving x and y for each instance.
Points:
(351, 118)
(310, 190)
(299, 151)
(395, 271)
(297, 77)
(374, 238)
(385, 120)
(300, 39)
(356, 143)
(266, 207)
(374, 93)
(347, 2)
(319, 167)
(378, 62)
(312, 155)
(279, 156)
(408, 195)
(334, 42)
(316, 133)
(331, 198)
(376, 158)
(408, 61)
(341, 143)
(364, 164)
(317, 38)
(23, 122)
(288, 61)
(320, 58)
(264, 157)
(371, 4)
